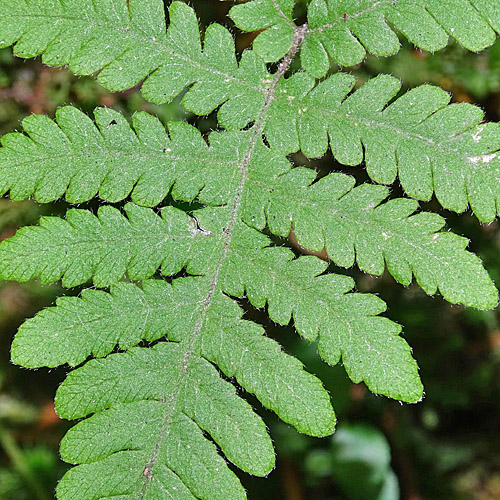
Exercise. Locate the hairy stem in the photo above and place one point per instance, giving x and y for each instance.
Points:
(192, 346)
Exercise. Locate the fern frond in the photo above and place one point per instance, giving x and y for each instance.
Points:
(354, 225)
(95, 323)
(259, 366)
(348, 324)
(430, 145)
(214, 329)
(85, 246)
(319, 304)
(150, 409)
(127, 41)
(345, 31)
(151, 391)
(350, 223)
(80, 160)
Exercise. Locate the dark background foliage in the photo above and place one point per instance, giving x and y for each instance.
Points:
(446, 447)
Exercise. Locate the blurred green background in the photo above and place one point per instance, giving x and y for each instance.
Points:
(446, 447)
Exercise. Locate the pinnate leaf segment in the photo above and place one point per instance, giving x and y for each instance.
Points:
(154, 413)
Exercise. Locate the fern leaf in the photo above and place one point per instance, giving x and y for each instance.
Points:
(98, 321)
(81, 160)
(299, 117)
(151, 407)
(348, 324)
(152, 391)
(353, 224)
(242, 351)
(87, 35)
(85, 246)
(346, 31)
(140, 376)
(173, 310)
(74, 329)
(128, 42)
(433, 147)
(275, 17)
(430, 145)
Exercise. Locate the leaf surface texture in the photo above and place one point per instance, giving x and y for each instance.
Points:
(346, 31)
(161, 421)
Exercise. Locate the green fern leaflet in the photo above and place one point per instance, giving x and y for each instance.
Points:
(161, 422)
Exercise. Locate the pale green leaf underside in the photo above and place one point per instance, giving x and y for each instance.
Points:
(344, 31)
